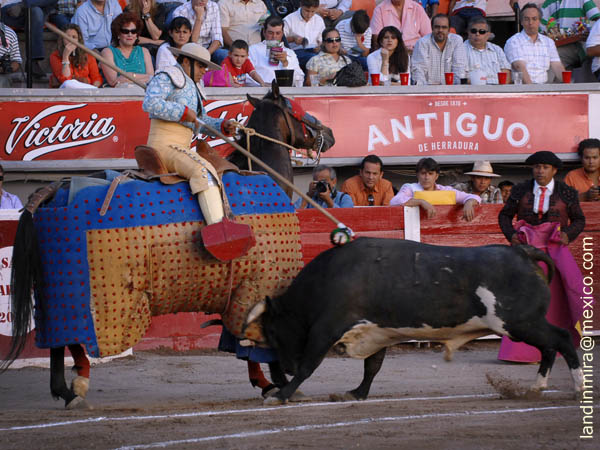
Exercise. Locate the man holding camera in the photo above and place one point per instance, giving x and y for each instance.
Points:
(322, 190)
(10, 57)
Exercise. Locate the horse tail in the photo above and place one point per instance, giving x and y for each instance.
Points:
(26, 275)
(537, 255)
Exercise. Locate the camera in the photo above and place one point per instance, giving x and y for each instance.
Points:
(322, 186)
(5, 66)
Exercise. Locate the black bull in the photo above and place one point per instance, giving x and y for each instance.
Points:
(373, 293)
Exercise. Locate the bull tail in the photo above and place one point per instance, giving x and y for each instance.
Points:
(537, 255)
(26, 275)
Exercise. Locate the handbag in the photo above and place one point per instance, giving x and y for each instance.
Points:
(217, 78)
(351, 75)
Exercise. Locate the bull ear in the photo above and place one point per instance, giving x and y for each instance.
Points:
(256, 311)
(253, 101)
(275, 89)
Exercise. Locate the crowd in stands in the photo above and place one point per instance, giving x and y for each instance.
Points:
(426, 39)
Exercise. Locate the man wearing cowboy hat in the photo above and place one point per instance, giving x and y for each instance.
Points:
(548, 217)
(174, 102)
(481, 183)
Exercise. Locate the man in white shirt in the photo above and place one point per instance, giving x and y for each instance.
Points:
(303, 29)
(240, 20)
(593, 48)
(356, 36)
(259, 54)
(530, 52)
(8, 200)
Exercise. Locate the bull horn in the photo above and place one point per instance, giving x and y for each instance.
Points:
(256, 311)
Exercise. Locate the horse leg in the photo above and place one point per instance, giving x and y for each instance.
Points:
(371, 368)
(58, 385)
(81, 383)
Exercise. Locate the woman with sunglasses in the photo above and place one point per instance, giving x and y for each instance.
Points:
(125, 53)
(69, 62)
(329, 60)
(392, 58)
(179, 33)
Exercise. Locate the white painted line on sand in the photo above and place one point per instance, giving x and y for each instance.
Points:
(248, 410)
(365, 421)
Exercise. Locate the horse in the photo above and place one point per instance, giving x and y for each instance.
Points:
(103, 259)
(284, 120)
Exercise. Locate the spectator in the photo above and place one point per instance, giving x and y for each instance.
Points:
(463, 11)
(206, 25)
(430, 6)
(153, 17)
(333, 11)
(14, 14)
(286, 59)
(125, 52)
(428, 171)
(65, 10)
(240, 19)
(327, 63)
(179, 33)
(593, 48)
(356, 36)
(438, 53)
(369, 188)
(8, 200)
(505, 187)
(549, 217)
(406, 15)
(322, 190)
(481, 183)
(94, 18)
(239, 66)
(585, 179)
(303, 30)
(530, 52)
(392, 58)
(483, 55)
(10, 56)
(567, 13)
(69, 62)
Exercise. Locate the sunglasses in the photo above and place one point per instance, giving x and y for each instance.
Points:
(371, 200)
(475, 31)
(128, 31)
(332, 40)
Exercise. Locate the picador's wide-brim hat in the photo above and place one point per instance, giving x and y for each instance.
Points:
(197, 52)
(482, 169)
(544, 157)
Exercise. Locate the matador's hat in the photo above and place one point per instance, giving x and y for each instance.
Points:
(197, 52)
(544, 157)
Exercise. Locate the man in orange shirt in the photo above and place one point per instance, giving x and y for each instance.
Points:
(368, 188)
(585, 179)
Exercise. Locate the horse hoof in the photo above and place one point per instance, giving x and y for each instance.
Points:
(78, 403)
(345, 397)
(274, 401)
(80, 386)
(299, 396)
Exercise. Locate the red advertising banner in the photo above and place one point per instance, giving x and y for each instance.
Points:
(390, 126)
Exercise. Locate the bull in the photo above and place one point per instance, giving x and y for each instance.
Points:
(372, 293)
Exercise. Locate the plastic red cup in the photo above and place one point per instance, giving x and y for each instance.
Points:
(449, 77)
(404, 79)
(566, 76)
(502, 77)
(375, 79)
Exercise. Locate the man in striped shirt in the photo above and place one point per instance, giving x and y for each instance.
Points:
(9, 52)
(205, 18)
(566, 13)
(530, 52)
(483, 55)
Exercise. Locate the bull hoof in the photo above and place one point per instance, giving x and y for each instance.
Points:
(274, 401)
(78, 403)
(345, 397)
(269, 391)
(80, 386)
(299, 396)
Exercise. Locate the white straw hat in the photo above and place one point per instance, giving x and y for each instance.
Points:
(482, 169)
(197, 52)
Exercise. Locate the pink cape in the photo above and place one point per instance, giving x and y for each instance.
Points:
(566, 306)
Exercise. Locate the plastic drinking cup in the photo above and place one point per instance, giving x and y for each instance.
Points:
(314, 80)
(566, 76)
(517, 77)
(502, 77)
(449, 77)
(404, 79)
(375, 79)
